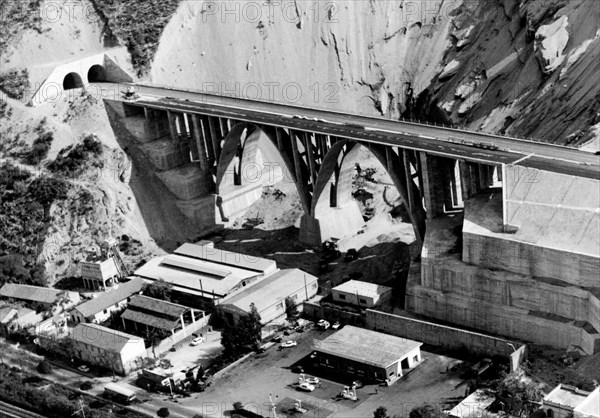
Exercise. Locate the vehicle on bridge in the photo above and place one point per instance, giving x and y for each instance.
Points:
(483, 145)
(130, 94)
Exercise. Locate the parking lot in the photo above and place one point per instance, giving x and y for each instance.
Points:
(252, 381)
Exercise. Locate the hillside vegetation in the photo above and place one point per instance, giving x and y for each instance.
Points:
(138, 27)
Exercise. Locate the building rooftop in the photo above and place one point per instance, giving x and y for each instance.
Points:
(156, 305)
(566, 396)
(362, 288)
(110, 297)
(474, 406)
(271, 290)
(102, 337)
(30, 293)
(205, 250)
(195, 275)
(590, 407)
(149, 319)
(366, 346)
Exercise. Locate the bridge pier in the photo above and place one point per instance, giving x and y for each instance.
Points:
(439, 184)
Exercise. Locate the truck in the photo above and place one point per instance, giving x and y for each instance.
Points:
(119, 394)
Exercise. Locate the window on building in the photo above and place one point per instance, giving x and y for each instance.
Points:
(350, 369)
(392, 374)
(279, 306)
(363, 301)
(550, 413)
(294, 297)
(415, 359)
(128, 300)
(342, 297)
(314, 286)
(105, 311)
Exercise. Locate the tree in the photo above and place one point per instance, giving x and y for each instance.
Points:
(165, 363)
(163, 412)
(380, 412)
(291, 311)
(426, 410)
(242, 337)
(44, 367)
(158, 290)
(519, 393)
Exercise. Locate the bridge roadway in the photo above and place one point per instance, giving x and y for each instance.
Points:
(438, 140)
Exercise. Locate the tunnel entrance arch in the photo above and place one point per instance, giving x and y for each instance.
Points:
(72, 81)
(96, 73)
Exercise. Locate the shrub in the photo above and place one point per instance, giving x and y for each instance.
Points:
(87, 385)
(39, 149)
(44, 367)
(15, 83)
(72, 159)
(163, 412)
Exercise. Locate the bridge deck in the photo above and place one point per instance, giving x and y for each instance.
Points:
(432, 139)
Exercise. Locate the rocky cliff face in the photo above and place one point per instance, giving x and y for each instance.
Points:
(503, 66)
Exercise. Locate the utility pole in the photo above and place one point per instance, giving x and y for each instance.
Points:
(80, 410)
(305, 288)
(273, 405)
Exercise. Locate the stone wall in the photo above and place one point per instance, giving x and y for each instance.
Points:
(438, 335)
(315, 312)
(450, 275)
(502, 320)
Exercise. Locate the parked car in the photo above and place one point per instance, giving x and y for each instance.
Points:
(83, 368)
(335, 325)
(196, 341)
(312, 380)
(277, 339)
(298, 369)
(299, 328)
(307, 387)
(288, 344)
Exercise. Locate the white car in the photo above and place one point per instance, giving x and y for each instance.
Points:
(196, 341)
(307, 387)
(83, 368)
(323, 324)
(288, 344)
(312, 380)
(335, 325)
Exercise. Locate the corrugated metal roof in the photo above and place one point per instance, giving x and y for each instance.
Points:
(271, 290)
(102, 337)
(150, 320)
(157, 305)
(228, 258)
(366, 346)
(30, 293)
(109, 298)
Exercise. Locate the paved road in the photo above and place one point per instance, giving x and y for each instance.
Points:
(437, 140)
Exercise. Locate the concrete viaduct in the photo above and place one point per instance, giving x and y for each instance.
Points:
(433, 168)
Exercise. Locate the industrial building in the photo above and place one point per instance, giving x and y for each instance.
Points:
(102, 269)
(144, 313)
(367, 355)
(108, 348)
(201, 275)
(362, 294)
(39, 297)
(100, 308)
(269, 294)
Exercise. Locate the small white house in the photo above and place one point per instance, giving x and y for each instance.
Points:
(363, 294)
